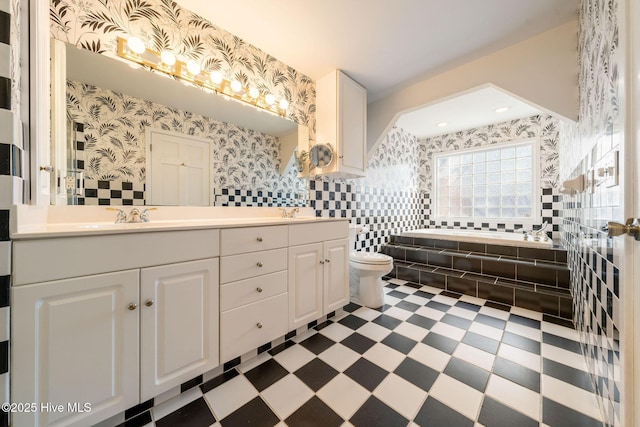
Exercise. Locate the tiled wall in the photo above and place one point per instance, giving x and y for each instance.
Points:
(11, 171)
(543, 127)
(593, 257)
(387, 200)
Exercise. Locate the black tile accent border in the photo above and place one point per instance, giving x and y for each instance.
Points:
(4, 357)
(5, 93)
(5, 27)
(4, 225)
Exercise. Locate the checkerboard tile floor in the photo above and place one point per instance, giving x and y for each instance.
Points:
(427, 358)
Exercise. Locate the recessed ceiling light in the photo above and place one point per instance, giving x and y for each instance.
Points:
(442, 124)
(502, 109)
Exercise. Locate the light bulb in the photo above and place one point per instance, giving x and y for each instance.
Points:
(442, 124)
(236, 86)
(216, 77)
(168, 58)
(270, 99)
(136, 45)
(193, 67)
(254, 93)
(284, 104)
(502, 109)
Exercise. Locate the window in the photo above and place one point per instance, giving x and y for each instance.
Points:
(497, 182)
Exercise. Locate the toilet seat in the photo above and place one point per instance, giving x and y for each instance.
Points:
(370, 258)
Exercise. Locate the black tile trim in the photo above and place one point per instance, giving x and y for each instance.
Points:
(4, 357)
(5, 93)
(5, 27)
(5, 291)
(138, 409)
(191, 384)
(4, 225)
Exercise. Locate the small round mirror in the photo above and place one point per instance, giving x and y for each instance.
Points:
(321, 155)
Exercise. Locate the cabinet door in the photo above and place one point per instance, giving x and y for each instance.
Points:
(75, 341)
(179, 324)
(352, 113)
(336, 275)
(305, 284)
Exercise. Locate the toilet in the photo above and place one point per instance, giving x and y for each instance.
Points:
(365, 272)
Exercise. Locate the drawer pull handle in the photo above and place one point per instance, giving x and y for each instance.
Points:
(148, 302)
(259, 264)
(132, 306)
(321, 261)
(327, 260)
(259, 325)
(259, 239)
(259, 289)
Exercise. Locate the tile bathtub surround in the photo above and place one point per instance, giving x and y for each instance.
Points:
(425, 357)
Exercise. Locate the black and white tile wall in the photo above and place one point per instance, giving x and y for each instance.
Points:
(594, 259)
(384, 212)
(11, 172)
(550, 212)
(387, 201)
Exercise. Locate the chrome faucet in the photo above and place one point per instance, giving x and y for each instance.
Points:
(537, 235)
(134, 216)
(121, 216)
(291, 214)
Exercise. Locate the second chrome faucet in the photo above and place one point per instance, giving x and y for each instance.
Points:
(134, 216)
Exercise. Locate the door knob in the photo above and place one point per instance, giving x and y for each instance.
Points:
(631, 227)
(259, 325)
(132, 306)
(259, 239)
(259, 264)
(148, 302)
(46, 168)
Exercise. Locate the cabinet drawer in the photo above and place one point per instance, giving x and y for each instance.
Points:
(238, 267)
(236, 294)
(248, 327)
(302, 234)
(251, 239)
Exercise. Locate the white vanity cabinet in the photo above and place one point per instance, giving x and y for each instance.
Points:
(178, 324)
(318, 270)
(75, 341)
(341, 120)
(113, 339)
(253, 291)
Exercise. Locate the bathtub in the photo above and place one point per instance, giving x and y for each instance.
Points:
(477, 236)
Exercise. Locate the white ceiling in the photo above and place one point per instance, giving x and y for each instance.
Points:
(469, 110)
(386, 45)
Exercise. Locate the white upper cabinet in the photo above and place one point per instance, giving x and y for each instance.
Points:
(341, 121)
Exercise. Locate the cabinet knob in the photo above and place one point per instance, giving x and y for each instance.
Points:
(132, 306)
(259, 264)
(259, 289)
(321, 261)
(327, 260)
(259, 239)
(259, 325)
(148, 302)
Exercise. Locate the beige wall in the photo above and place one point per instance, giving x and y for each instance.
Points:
(542, 70)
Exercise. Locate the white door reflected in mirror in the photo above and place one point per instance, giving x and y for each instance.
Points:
(178, 169)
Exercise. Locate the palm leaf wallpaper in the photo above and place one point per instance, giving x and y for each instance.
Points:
(114, 128)
(162, 24)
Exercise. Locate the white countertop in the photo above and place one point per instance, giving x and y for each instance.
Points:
(39, 222)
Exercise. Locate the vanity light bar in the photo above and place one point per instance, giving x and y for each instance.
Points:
(180, 69)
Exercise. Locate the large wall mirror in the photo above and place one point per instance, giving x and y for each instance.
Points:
(104, 112)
